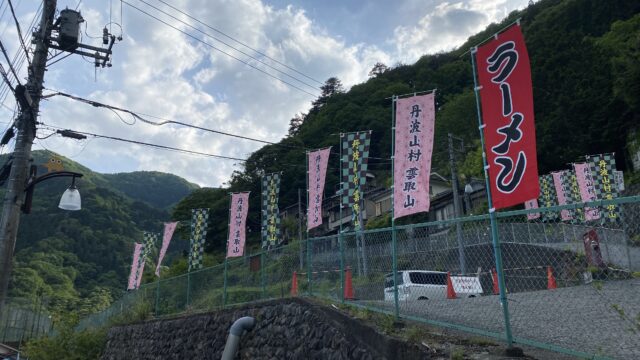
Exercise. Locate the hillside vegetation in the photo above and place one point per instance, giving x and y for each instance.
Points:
(81, 259)
(585, 63)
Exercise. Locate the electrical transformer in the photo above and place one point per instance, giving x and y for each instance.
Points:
(70, 21)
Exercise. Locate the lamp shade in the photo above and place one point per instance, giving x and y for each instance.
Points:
(70, 200)
(468, 189)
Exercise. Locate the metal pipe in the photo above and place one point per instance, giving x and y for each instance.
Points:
(239, 327)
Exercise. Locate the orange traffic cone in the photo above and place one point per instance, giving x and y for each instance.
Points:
(494, 276)
(294, 284)
(551, 281)
(451, 293)
(348, 285)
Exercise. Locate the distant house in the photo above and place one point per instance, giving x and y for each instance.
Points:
(377, 202)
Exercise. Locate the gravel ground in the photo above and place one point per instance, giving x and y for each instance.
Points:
(601, 320)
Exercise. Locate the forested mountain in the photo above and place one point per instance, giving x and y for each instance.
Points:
(585, 63)
(81, 259)
(157, 189)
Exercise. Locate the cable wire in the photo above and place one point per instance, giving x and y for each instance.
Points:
(230, 46)
(6, 79)
(6, 56)
(164, 147)
(238, 41)
(139, 117)
(220, 50)
(24, 47)
(19, 57)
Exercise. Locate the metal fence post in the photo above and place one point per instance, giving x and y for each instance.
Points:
(309, 268)
(341, 243)
(262, 282)
(158, 298)
(224, 284)
(188, 288)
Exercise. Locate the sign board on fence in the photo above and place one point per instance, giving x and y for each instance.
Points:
(466, 285)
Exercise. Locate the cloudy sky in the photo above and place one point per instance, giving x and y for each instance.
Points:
(214, 78)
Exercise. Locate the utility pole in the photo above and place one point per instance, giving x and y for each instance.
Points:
(300, 228)
(456, 201)
(67, 28)
(26, 124)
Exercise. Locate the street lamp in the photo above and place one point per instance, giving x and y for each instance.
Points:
(70, 199)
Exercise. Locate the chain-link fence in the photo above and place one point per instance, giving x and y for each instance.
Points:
(570, 286)
(24, 319)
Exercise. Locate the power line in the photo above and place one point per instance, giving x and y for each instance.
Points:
(239, 42)
(230, 46)
(6, 56)
(19, 57)
(164, 147)
(164, 122)
(24, 47)
(220, 50)
(6, 79)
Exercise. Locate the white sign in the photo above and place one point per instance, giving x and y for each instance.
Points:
(466, 285)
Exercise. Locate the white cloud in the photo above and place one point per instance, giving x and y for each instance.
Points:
(448, 26)
(159, 71)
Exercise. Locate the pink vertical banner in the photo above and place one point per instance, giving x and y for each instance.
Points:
(169, 228)
(587, 192)
(414, 130)
(140, 272)
(318, 161)
(237, 224)
(532, 204)
(562, 198)
(133, 281)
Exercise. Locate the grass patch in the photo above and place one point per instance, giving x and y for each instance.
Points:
(457, 354)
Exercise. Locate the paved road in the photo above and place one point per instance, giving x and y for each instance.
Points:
(592, 319)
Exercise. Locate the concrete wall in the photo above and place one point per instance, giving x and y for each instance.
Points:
(286, 329)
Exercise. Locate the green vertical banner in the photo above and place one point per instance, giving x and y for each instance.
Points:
(603, 167)
(149, 239)
(572, 194)
(270, 211)
(355, 155)
(548, 197)
(199, 219)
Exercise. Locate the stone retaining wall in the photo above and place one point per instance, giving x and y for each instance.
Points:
(286, 329)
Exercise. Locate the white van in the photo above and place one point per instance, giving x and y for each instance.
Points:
(425, 285)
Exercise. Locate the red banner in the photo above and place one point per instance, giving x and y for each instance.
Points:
(506, 96)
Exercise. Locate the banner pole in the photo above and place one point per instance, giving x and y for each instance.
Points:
(226, 256)
(263, 215)
(191, 242)
(340, 236)
(306, 163)
(394, 244)
(492, 213)
(157, 297)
